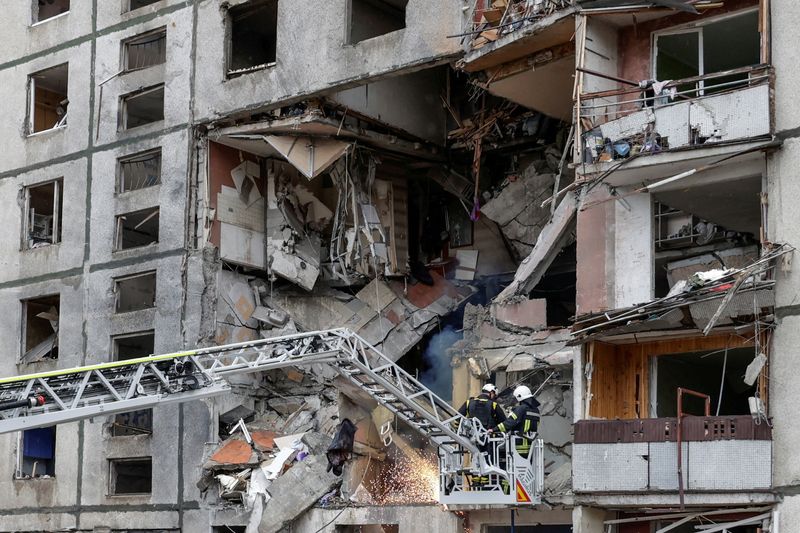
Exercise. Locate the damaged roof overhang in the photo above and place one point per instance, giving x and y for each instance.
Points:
(548, 32)
(736, 297)
(650, 168)
(616, 5)
(249, 137)
(550, 71)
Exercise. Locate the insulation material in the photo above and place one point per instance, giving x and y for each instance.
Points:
(310, 155)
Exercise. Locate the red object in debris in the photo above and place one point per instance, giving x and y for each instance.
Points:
(233, 452)
(722, 288)
(40, 400)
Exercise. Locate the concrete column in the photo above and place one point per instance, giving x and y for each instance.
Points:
(595, 253)
(633, 250)
(783, 221)
(588, 520)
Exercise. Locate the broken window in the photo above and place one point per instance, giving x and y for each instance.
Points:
(228, 529)
(38, 453)
(145, 50)
(139, 228)
(139, 171)
(133, 345)
(136, 4)
(42, 220)
(142, 107)
(717, 46)
(371, 18)
(40, 328)
(125, 347)
(131, 476)
(253, 31)
(134, 293)
(47, 105)
(47, 9)
(717, 373)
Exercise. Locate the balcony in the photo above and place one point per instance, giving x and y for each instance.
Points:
(702, 112)
(719, 454)
(501, 31)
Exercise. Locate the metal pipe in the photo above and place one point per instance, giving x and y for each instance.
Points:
(607, 76)
(707, 398)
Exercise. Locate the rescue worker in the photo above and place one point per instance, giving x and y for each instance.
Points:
(523, 420)
(489, 413)
(484, 408)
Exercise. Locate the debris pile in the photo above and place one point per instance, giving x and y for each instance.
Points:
(505, 16)
(703, 301)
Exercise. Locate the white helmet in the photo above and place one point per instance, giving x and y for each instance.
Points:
(522, 393)
(489, 387)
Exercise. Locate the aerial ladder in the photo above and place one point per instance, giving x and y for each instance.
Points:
(466, 451)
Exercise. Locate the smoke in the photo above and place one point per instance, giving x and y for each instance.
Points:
(439, 375)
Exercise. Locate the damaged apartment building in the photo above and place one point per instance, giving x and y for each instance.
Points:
(593, 198)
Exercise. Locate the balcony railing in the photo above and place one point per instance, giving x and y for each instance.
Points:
(653, 116)
(719, 453)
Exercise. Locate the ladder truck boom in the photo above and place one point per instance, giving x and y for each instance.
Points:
(59, 396)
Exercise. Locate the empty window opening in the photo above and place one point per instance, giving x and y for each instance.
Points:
(47, 9)
(228, 529)
(718, 46)
(371, 18)
(40, 329)
(131, 476)
(134, 293)
(142, 107)
(145, 50)
(133, 345)
(139, 171)
(253, 37)
(48, 99)
(136, 4)
(38, 453)
(702, 372)
(139, 228)
(125, 347)
(42, 221)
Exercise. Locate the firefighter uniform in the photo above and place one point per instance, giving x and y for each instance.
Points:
(484, 409)
(523, 420)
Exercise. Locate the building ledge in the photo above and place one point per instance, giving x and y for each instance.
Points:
(547, 32)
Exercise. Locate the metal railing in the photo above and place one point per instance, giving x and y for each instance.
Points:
(604, 106)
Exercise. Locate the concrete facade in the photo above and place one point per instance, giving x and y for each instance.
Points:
(404, 98)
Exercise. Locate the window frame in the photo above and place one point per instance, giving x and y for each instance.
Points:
(118, 229)
(30, 123)
(112, 476)
(23, 338)
(35, 14)
(126, 98)
(695, 27)
(125, 50)
(20, 455)
(116, 291)
(229, 72)
(58, 200)
(131, 157)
